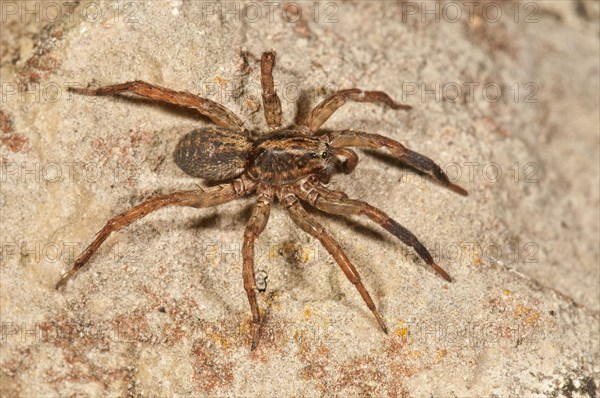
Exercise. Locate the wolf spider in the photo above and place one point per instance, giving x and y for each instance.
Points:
(291, 164)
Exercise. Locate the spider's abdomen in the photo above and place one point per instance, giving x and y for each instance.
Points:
(213, 153)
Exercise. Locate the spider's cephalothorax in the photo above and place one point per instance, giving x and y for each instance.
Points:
(284, 159)
(291, 164)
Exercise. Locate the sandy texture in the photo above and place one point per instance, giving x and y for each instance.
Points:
(161, 309)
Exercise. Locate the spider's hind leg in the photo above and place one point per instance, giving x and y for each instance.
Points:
(197, 198)
(256, 224)
(335, 202)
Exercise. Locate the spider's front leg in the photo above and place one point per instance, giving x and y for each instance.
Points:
(197, 198)
(335, 202)
(331, 103)
(256, 224)
(219, 114)
(312, 227)
(361, 139)
(351, 161)
(271, 102)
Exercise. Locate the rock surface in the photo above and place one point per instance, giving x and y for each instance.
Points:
(506, 101)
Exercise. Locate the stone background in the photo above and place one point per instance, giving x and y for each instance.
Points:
(161, 309)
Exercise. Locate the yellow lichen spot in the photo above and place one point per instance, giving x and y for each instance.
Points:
(530, 316)
(401, 331)
(219, 339)
(473, 251)
(305, 255)
(222, 82)
(506, 292)
(415, 354)
(307, 312)
(441, 353)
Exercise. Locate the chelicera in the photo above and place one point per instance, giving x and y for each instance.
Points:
(291, 164)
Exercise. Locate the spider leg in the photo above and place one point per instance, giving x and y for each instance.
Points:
(207, 197)
(351, 161)
(311, 226)
(334, 202)
(331, 103)
(256, 224)
(219, 114)
(271, 102)
(345, 138)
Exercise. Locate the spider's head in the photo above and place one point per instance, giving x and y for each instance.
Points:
(319, 161)
(283, 159)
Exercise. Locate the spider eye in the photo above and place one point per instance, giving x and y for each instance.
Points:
(314, 155)
(324, 155)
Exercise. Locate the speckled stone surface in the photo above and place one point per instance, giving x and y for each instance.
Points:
(509, 108)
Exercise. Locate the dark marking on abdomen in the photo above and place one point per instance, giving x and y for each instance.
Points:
(213, 153)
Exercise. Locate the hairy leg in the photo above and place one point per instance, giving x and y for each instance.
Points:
(311, 226)
(351, 161)
(256, 224)
(271, 102)
(325, 108)
(335, 202)
(197, 198)
(345, 138)
(219, 114)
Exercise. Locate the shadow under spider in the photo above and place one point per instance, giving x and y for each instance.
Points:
(365, 229)
(213, 220)
(369, 231)
(304, 106)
